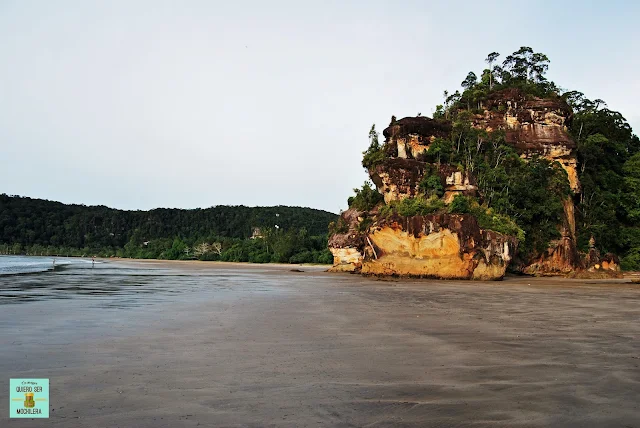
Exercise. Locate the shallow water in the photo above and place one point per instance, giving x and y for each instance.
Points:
(107, 284)
(199, 344)
(80, 300)
(13, 265)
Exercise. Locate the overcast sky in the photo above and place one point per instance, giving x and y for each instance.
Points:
(143, 104)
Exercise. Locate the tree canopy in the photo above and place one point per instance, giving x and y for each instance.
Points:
(282, 234)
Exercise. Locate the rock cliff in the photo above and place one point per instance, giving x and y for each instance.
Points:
(538, 127)
(399, 178)
(439, 245)
(451, 245)
(534, 126)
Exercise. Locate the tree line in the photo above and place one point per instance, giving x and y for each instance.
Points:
(230, 233)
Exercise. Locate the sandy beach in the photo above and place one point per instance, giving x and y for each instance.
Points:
(157, 344)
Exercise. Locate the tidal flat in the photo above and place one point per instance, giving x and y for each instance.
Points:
(134, 344)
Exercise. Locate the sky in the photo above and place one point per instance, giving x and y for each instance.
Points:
(150, 103)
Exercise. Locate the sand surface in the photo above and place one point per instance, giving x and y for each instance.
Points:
(212, 345)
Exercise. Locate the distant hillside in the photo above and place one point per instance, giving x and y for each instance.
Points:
(57, 227)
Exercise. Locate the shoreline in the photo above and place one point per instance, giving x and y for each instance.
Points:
(212, 263)
(169, 262)
(628, 277)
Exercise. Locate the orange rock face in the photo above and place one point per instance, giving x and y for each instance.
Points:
(346, 259)
(436, 255)
(439, 246)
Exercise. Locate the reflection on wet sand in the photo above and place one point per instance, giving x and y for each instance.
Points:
(117, 285)
(173, 345)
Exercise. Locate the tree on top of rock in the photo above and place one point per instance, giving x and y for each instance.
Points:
(491, 58)
(470, 81)
(526, 65)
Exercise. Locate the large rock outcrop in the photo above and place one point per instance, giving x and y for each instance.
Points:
(450, 245)
(445, 246)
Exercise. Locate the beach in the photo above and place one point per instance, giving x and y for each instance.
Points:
(186, 344)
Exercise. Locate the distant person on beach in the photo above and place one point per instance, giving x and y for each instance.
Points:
(93, 261)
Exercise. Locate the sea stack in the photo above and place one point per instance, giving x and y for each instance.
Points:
(430, 218)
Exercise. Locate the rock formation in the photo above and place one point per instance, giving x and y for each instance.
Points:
(443, 246)
(440, 245)
(535, 126)
(398, 178)
(452, 246)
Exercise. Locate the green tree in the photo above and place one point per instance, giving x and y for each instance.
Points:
(631, 192)
(470, 81)
(366, 198)
(491, 58)
(374, 154)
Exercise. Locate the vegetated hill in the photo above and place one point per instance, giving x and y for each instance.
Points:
(57, 227)
(510, 171)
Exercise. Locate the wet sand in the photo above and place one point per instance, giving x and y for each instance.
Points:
(185, 345)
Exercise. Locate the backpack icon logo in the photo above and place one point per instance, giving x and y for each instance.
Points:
(29, 398)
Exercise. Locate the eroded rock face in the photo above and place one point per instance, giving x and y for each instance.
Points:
(400, 178)
(560, 258)
(346, 260)
(424, 129)
(347, 244)
(459, 183)
(445, 246)
(534, 127)
(441, 246)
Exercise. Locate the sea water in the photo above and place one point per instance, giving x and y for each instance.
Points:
(78, 300)
(13, 265)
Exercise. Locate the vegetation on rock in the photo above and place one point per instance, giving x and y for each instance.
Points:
(409, 207)
(338, 227)
(487, 218)
(524, 70)
(375, 153)
(431, 184)
(609, 170)
(366, 198)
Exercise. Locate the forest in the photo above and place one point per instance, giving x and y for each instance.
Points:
(277, 234)
(530, 192)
